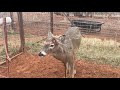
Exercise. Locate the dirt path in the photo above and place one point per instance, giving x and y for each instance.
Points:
(32, 66)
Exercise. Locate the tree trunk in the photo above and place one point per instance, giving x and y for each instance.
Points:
(6, 46)
(21, 29)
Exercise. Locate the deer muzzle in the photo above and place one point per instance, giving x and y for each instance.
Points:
(42, 53)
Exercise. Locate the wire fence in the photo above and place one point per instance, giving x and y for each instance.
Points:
(13, 39)
(37, 24)
(99, 30)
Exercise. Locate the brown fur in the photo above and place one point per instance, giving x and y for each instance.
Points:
(65, 48)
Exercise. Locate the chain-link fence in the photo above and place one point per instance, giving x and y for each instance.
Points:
(37, 24)
(101, 45)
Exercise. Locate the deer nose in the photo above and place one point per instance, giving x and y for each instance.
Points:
(42, 54)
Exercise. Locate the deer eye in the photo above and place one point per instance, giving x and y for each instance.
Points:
(52, 45)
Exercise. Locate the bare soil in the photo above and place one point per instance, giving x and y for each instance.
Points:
(33, 66)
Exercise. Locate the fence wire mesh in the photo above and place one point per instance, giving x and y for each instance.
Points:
(13, 38)
(102, 46)
(37, 24)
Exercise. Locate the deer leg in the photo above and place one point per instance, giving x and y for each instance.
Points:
(74, 66)
(72, 70)
(66, 69)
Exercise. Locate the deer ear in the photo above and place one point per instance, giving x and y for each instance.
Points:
(50, 35)
(62, 38)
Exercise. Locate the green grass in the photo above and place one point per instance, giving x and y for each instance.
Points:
(91, 49)
(12, 49)
(14, 43)
(105, 52)
(34, 47)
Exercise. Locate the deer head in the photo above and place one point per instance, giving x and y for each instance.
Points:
(50, 45)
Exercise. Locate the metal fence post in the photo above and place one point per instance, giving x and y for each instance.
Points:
(51, 22)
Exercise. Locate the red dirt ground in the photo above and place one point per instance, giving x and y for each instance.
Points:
(33, 66)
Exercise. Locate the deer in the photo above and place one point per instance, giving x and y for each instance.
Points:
(63, 48)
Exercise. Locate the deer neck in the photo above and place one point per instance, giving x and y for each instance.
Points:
(60, 53)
